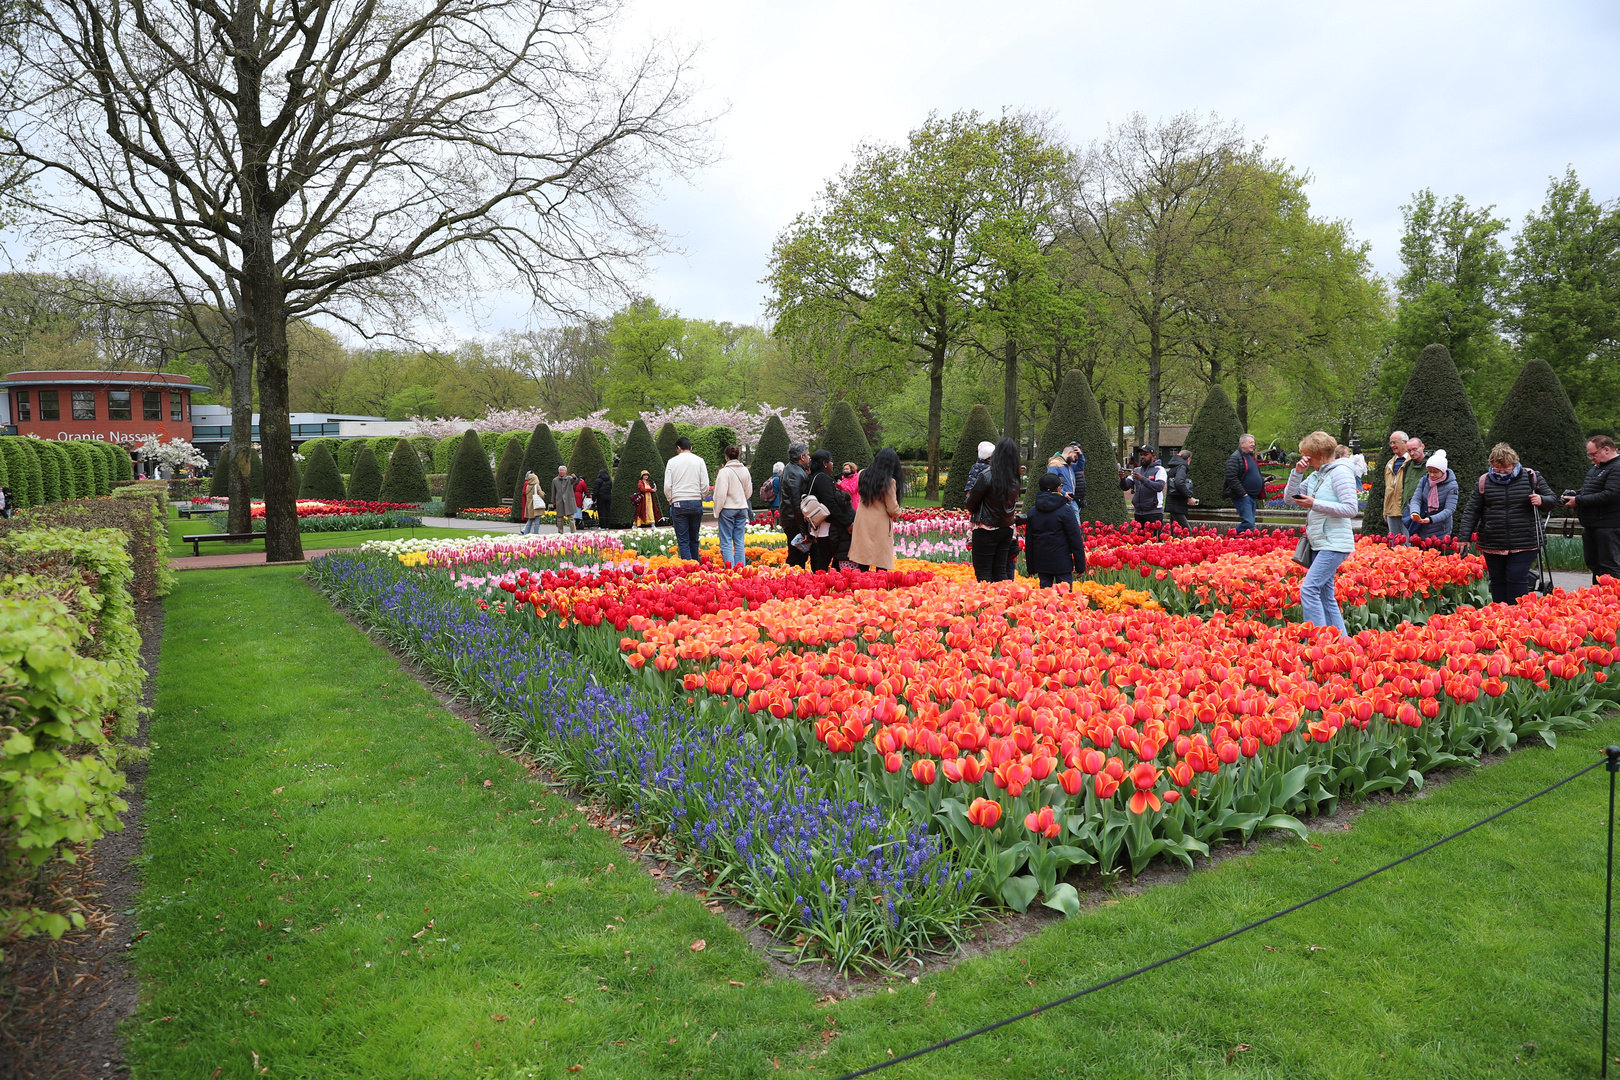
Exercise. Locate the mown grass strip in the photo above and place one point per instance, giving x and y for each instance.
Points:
(313, 541)
(1480, 959)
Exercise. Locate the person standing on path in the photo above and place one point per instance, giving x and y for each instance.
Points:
(795, 484)
(1433, 506)
(1178, 488)
(1146, 484)
(733, 487)
(1069, 466)
(534, 503)
(1244, 483)
(646, 504)
(1501, 519)
(1597, 504)
(562, 499)
(871, 540)
(1329, 496)
(1395, 494)
(686, 481)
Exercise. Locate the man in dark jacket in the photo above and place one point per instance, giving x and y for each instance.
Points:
(1244, 484)
(795, 483)
(1146, 485)
(1178, 491)
(1597, 504)
(1054, 547)
(602, 496)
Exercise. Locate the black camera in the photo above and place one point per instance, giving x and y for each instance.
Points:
(1569, 493)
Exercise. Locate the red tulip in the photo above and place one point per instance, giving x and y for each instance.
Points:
(972, 769)
(1092, 762)
(1071, 781)
(984, 813)
(1105, 785)
(922, 771)
(893, 763)
(1043, 822)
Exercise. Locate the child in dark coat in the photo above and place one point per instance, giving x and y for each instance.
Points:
(1054, 548)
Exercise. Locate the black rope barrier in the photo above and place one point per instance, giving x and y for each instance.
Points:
(1611, 759)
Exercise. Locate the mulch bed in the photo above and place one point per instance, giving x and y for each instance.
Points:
(61, 1002)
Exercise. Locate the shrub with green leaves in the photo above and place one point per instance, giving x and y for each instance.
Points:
(587, 460)
(381, 446)
(665, 441)
(1211, 439)
(365, 481)
(123, 465)
(1433, 407)
(639, 453)
(219, 484)
(404, 481)
(773, 445)
(471, 482)
(256, 476)
(541, 456)
(333, 447)
(1539, 422)
(977, 427)
(444, 453)
(1075, 417)
(844, 438)
(509, 471)
(22, 472)
(50, 470)
(321, 479)
(343, 453)
(102, 462)
(426, 446)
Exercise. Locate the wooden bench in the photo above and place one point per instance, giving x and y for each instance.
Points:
(229, 538)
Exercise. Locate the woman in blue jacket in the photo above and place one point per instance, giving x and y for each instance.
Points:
(1434, 503)
(1330, 494)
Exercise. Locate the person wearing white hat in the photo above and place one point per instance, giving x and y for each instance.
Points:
(1434, 503)
(980, 466)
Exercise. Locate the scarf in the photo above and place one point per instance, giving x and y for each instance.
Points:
(1434, 495)
(1504, 478)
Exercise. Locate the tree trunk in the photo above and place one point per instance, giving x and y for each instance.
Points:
(936, 414)
(1242, 399)
(239, 515)
(1123, 451)
(1009, 392)
(281, 539)
(1155, 370)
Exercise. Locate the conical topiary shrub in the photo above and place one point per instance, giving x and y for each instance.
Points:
(541, 457)
(1075, 417)
(977, 427)
(50, 471)
(1433, 407)
(321, 478)
(365, 481)
(666, 441)
(509, 473)
(772, 447)
(588, 460)
(256, 475)
(471, 483)
(844, 439)
(1212, 438)
(343, 453)
(404, 481)
(1539, 422)
(219, 483)
(19, 470)
(640, 452)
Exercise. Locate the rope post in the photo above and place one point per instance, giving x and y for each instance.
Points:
(1612, 753)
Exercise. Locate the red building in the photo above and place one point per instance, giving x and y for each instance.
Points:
(105, 406)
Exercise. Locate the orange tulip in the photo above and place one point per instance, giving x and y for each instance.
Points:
(1043, 823)
(893, 762)
(1071, 780)
(984, 813)
(922, 771)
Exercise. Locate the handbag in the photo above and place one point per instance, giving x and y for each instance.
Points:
(814, 510)
(1304, 554)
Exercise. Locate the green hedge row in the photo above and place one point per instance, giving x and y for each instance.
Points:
(40, 471)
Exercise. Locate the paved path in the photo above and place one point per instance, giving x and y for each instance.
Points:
(246, 558)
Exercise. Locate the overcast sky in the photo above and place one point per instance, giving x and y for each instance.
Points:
(1377, 100)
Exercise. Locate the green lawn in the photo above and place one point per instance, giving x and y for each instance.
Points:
(313, 541)
(311, 809)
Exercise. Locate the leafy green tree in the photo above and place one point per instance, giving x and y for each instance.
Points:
(404, 481)
(977, 428)
(509, 470)
(1075, 417)
(471, 483)
(843, 437)
(587, 460)
(1433, 407)
(321, 477)
(1564, 298)
(1211, 439)
(648, 366)
(1450, 293)
(772, 447)
(666, 441)
(365, 480)
(541, 457)
(1538, 420)
(639, 453)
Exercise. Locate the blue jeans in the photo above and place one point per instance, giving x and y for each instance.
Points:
(532, 525)
(1510, 575)
(732, 523)
(1397, 525)
(1317, 602)
(1244, 505)
(687, 517)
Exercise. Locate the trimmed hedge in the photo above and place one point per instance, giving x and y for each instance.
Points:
(506, 438)
(124, 466)
(844, 439)
(471, 482)
(640, 452)
(50, 471)
(1075, 417)
(333, 446)
(104, 464)
(773, 447)
(509, 471)
(1433, 407)
(444, 453)
(425, 446)
(22, 476)
(1212, 438)
(321, 478)
(343, 453)
(365, 482)
(404, 481)
(977, 427)
(541, 457)
(665, 443)
(1538, 420)
(587, 460)
(709, 443)
(381, 447)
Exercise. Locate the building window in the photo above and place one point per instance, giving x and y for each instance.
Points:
(174, 406)
(152, 405)
(25, 408)
(49, 408)
(84, 404)
(117, 405)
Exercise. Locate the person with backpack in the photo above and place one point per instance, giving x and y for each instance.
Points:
(1434, 503)
(770, 492)
(1178, 490)
(993, 504)
(830, 537)
(1503, 519)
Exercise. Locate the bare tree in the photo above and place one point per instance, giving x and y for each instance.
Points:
(342, 157)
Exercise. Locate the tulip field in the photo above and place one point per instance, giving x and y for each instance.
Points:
(872, 760)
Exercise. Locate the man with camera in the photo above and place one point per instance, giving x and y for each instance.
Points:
(1597, 504)
(1146, 483)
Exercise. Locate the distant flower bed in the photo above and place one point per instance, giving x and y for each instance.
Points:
(308, 508)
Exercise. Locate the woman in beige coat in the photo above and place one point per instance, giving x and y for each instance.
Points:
(871, 542)
(733, 487)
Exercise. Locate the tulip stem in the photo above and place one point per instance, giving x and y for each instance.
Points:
(1613, 754)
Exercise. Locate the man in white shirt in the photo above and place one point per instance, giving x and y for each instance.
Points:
(686, 481)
